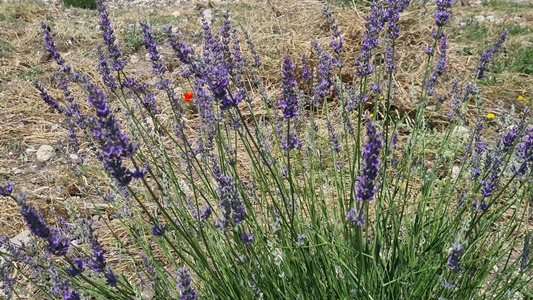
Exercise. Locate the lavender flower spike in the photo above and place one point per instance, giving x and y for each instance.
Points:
(185, 285)
(442, 15)
(365, 187)
(50, 45)
(488, 55)
(108, 35)
(288, 100)
(35, 221)
(149, 43)
(440, 66)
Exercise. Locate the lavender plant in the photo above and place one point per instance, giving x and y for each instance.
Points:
(264, 205)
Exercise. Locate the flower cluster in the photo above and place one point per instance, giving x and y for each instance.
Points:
(6, 190)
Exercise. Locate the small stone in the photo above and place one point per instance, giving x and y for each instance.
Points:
(176, 14)
(22, 238)
(74, 156)
(30, 150)
(455, 171)
(134, 59)
(45, 152)
(479, 18)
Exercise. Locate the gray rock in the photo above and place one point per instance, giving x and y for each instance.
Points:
(45, 152)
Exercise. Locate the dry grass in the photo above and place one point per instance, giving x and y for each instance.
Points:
(275, 27)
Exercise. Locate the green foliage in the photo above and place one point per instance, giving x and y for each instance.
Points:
(86, 4)
(31, 73)
(442, 212)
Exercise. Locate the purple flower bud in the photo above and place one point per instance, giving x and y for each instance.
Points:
(247, 238)
(77, 267)
(357, 217)
(454, 260)
(7, 190)
(205, 212)
(111, 279)
(57, 244)
(158, 230)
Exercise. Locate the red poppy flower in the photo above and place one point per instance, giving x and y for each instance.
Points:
(187, 96)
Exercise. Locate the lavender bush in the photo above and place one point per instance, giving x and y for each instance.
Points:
(260, 199)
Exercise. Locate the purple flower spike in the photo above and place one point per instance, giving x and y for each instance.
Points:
(47, 98)
(306, 74)
(111, 279)
(185, 285)
(35, 221)
(288, 100)
(374, 25)
(365, 186)
(230, 200)
(488, 55)
(440, 66)
(336, 38)
(149, 43)
(108, 35)
(105, 72)
(97, 260)
(50, 45)
(442, 15)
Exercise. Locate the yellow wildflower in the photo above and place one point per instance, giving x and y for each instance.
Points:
(381, 97)
(520, 98)
(490, 116)
(371, 115)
